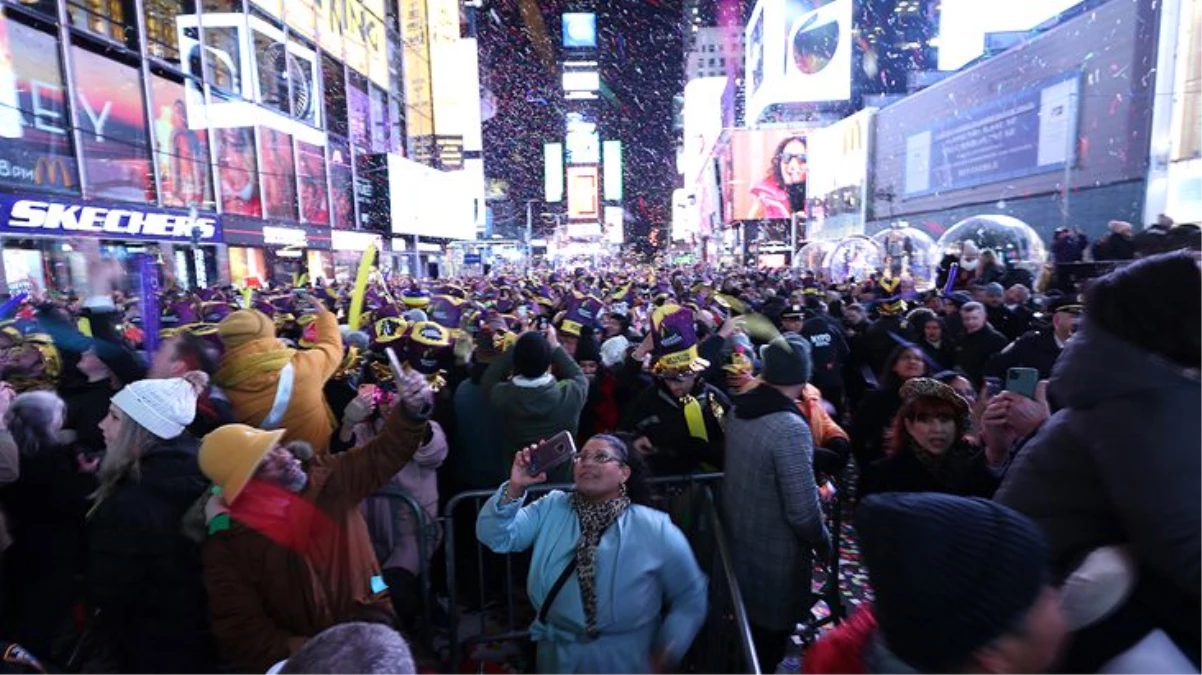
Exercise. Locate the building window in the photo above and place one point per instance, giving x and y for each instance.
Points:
(333, 82)
(106, 18)
(162, 38)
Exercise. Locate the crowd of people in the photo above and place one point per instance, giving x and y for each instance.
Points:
(1023, 465)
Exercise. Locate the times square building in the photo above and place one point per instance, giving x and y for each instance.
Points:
(226, 138)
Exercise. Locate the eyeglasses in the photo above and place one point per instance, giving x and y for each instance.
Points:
(594, 458)
(786, 157)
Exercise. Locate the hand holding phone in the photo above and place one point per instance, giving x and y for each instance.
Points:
(1022, 381)
(551, 453)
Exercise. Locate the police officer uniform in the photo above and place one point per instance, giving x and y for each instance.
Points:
(1037, 349)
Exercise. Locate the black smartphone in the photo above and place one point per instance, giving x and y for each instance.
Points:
(551, 453)
(541, 323)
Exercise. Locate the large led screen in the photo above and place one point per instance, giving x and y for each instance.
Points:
(583, 202)
(579, 30)
(769, 173)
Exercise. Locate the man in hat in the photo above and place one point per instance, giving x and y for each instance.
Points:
(288, 553)
(1040, 349)
(535, 404)
(829, 352)
(678, 419)
(771, 493)
(961, 585)
(272, 387)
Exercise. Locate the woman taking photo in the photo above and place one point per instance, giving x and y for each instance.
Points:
(928, 451)
(144, 580)
(604, 565)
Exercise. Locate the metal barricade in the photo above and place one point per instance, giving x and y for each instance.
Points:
(427, 532)
(668, 490)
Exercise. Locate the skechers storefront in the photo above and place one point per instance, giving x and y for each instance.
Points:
(37, 233)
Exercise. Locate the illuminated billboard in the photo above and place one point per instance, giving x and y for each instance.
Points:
(350, 30)
(583, 201)
(579, 30)
(582, 140)
(769, 171)
(553, 172)
(581, 80)
(613, 230)
(612, 164)
(837, 177)
(797, 54)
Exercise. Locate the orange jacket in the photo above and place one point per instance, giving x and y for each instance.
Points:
(250, 375)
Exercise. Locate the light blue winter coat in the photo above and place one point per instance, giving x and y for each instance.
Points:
(643, 564)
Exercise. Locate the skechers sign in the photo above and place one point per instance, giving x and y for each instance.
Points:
(41, 216)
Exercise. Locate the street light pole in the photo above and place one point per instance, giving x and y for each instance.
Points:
(529, 232)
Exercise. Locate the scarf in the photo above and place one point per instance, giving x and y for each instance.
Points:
(595, 519)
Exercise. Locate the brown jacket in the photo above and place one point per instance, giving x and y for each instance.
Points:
(264, 599)
(249, 377)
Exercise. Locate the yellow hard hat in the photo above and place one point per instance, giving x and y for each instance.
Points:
(230, 455)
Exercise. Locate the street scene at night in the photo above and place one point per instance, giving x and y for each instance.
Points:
(600, 336)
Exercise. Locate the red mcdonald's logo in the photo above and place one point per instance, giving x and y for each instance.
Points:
(52, 171)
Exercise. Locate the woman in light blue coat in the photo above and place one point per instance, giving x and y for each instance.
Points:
(635, 597)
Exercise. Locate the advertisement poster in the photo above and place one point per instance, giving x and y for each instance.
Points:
(35, 139)
(837, 177)
(278, 175)
(770, 169)
(419, 96)
(583, 189)
(352, 30)
(112, 121)
(181, 148)
(314, 196)
(237, 171)
(359, 109)
(1027, 133)
(342, 195)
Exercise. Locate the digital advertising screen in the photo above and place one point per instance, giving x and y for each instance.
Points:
(583, 202)
(769, 171)
(314, 196)
(582, 140)
(612, 167)
(278, 175)
(237, 171)
(579, 30)
(181, 147)
(35, 137)
(553, 172)
(113, 135)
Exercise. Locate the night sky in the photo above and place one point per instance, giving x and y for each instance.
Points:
(645, 36)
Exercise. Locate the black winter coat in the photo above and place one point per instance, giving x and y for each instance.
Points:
(656, 414)
(974, 351)
(964, 473)
(1033, 350)
(871, 426)
(87, 404)
(144, 580)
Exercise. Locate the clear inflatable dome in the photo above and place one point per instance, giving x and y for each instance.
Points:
(854, 257)
(1013, 241)
(811, 256)
(909, 253)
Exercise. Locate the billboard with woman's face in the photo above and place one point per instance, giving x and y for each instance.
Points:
(112, 120)
(181, 147)
(768, 180)
(238, 172)
(278, 174)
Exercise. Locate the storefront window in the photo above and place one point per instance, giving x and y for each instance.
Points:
(341, 188)
(247, 264)
(237, 172)
(112, 119)
(279, 174)
(35, 139)
(181, 145)
(333, 85)
(111, 19)
(314, 197)
(162, 37)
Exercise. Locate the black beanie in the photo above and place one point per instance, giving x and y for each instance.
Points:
(531, 355)
(950, 574)
(587, 349)
(786, 360)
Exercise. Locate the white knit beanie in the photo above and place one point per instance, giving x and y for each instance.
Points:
(164, 407)
(613, 351)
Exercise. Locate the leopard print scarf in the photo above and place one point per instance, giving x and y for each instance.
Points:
(595, 519)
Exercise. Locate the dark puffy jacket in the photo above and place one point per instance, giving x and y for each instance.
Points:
(144, 576)
(1119, 463)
